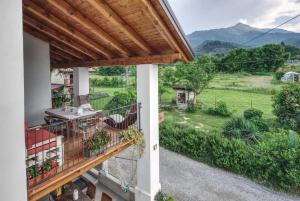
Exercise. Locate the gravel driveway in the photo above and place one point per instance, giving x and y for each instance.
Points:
(189, 180)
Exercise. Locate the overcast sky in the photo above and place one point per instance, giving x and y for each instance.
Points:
(196, 15)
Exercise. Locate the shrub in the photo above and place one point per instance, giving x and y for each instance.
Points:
(255, 116)
(220, 109)
(278, 75)
(275, 161)
(287, 106)
(241, 128)
(160, 196)
(119, 100)
(108, 82)
(253, 113)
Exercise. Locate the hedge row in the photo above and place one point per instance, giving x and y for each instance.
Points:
(275, 161)
(107, 82)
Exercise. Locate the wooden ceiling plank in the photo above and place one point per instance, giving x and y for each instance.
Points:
(41, 13)
(88, 24)
(56, 58)
(154, 59)
(60, 53)
(113, 17)
(57, 36)
(53, 43)
(160, 26)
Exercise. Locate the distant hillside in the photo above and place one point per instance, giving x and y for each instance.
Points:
(215, 47)
(240, 33)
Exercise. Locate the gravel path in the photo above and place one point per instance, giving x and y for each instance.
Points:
(189, 180)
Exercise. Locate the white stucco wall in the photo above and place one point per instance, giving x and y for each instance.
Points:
(12, 146)
(37, 79)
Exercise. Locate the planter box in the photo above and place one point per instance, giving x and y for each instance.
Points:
(41, 177)
(89, 154)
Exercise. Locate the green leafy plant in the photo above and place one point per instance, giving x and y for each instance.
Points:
(160, 196)
(119, 100)
(97, 141)
(242, 129)
(221, 109)
(255, 116)
(287, 106)
(253, 113)
(134, 135)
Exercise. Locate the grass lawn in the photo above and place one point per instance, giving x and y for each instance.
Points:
(109, 90)
(237, 102)
(244, 82)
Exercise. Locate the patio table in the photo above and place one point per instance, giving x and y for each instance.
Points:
(70, 114)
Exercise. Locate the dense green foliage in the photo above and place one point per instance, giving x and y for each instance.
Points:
(160, 196)
(108, 82)
(220, 109)
(267, 58)
(287, 106)
(215, 47)
(110, 71)
(274, 161)
(253, 113)
(241, 128)
(255, 116)
(119, 100)
(194, 75)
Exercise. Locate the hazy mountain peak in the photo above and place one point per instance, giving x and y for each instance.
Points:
(240, 33)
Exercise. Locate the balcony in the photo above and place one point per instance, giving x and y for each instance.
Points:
(60, 151)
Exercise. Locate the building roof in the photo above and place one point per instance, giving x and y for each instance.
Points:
(107, 32)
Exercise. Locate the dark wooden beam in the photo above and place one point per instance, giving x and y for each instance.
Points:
(57, 36)
(155, 59)
(55, 51)
(58, 45)
(39, 12)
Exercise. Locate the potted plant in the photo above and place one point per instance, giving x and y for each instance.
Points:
(37, 172)
(94, 145)
(48, 168)
(136, 136)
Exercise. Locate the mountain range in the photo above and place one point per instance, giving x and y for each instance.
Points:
(218, 41)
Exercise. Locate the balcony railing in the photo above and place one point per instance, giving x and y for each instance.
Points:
(52, 149)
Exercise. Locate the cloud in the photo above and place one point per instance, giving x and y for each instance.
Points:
(207, 14)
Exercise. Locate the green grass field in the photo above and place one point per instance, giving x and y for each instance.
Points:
(237, 102)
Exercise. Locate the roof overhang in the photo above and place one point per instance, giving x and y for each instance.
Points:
(89, 33)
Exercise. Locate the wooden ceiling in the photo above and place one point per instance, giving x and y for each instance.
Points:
(106, 32)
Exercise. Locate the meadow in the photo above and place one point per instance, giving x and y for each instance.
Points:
(240, 91)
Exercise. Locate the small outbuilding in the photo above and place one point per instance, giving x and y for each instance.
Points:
(183, 97)
(291, 76)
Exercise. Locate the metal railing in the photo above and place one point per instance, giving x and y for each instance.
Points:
(59, 145)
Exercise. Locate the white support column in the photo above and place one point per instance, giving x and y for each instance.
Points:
(80, 83)
(12, 143)
(148, 166)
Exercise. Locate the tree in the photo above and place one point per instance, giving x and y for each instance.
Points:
(195, 75)
(111, 71)
(166, 79)
(261, 59)
(287, 106)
